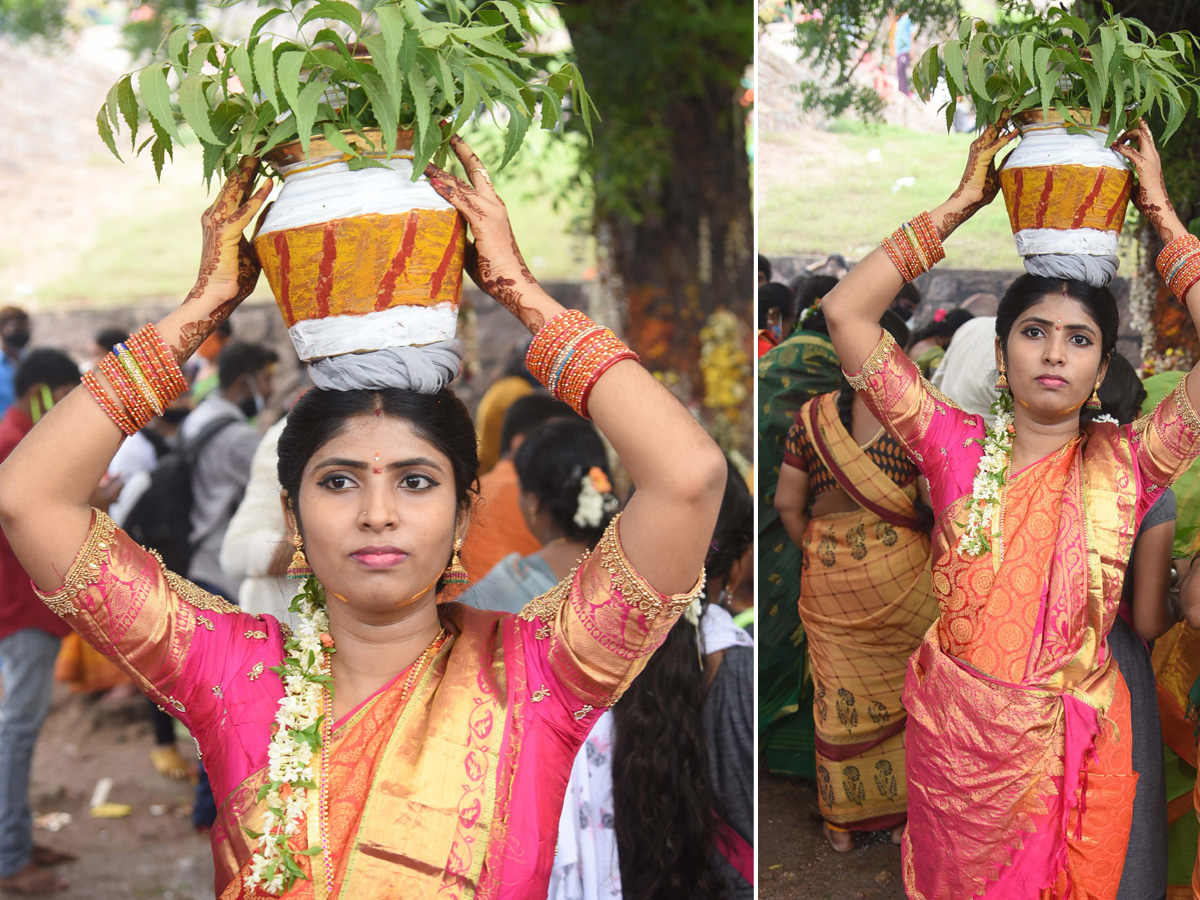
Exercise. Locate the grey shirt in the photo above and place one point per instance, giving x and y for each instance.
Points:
(218, 482)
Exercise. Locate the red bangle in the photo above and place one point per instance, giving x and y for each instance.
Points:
(604, 367)
(136, 407)
(107, 404)
(149, 337)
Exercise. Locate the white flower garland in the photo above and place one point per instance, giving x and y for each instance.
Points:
(595, 499)
(989, 479)
(295, 743)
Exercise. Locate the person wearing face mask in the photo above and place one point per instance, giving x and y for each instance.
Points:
(14, 337)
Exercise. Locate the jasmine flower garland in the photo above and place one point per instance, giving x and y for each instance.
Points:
(295, 743)
(990, 477)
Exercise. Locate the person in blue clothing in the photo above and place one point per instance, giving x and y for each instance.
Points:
(903, 53)
(14, 337)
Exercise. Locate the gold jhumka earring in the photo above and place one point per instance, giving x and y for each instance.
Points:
(299, 568)
(1002, 381)
(1094, 403)
(455, 572)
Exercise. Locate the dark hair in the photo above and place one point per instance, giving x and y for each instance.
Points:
(319, 416)
(735, 526)
(1121, 393)
(529, 412)
(1027, 290)
(809, 289)
(552, 463)
(953, 320)
(909, 292)
(47, 366)
(774, 295)
(11, 313)
(764, 266)
(110, 337)
(240, 358)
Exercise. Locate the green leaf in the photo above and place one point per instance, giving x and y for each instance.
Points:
(470, 99)
(335, 137)
(394, 27)
(494, 48)
(106, 132)
(956, 78)
(1028, 45)
(339, 10)
(262, 21)
(113, 107)
(288, 73)
(976, 73)
(152, 85)
(177, 44)
(518, 124)
(280, 134)
(127, 101)
(264, 72)
(193, 103)
(386, 62)
(201, 54)
(421, 105)
(386, 110)
(240, 57)
(1047, 79)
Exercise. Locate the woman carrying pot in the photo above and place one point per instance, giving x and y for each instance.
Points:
(1018, 740)
(437, 758)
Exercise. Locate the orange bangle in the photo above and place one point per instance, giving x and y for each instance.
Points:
(149, 337)
(136, 408)
(107, 404)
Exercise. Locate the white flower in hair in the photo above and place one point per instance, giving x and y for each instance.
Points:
(595, 499)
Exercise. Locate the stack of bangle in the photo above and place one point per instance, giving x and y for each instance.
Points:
(914, 247)
(569, 355)
(145, 376)
(1179, 264)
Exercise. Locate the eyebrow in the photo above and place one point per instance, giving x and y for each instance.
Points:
(342, 462)
(1034, 320)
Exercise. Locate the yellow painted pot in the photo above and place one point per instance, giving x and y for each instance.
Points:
(360, 260)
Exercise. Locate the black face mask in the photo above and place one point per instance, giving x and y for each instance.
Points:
(175, 416)
(17, 339)
(249, 406)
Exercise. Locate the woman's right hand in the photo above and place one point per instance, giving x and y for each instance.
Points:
(229, 267)
(980, 181)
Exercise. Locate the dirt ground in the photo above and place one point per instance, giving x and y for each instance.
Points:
(795, 861)
(153, 852)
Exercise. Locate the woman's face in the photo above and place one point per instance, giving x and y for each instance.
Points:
(1054, 358)
(378, 511)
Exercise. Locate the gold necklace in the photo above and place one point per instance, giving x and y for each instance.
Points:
(326, 743)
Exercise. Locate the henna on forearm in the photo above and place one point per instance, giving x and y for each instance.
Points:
(193, 334)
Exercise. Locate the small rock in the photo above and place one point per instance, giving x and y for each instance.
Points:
(884, 878)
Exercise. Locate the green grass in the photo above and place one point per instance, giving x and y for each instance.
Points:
(821, 192)
(149, 249)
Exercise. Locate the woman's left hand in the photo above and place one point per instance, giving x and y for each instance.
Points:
(1150, 193)
(493, 259)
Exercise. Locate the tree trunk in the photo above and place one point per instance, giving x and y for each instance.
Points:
(670, 170)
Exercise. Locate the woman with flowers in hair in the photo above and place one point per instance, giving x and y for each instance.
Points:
(1020, 783)
(566, 500)
(392, 746)
(854, 503)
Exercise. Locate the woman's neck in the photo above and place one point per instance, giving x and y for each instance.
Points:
(1035, 440)
(369, 656)
(561, 554)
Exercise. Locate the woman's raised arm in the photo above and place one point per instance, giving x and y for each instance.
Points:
(678, 470)
(853, 308)
(46, 482)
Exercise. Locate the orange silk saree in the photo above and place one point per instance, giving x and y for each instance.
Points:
(1020, 782)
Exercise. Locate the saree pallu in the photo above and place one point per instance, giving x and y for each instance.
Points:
(1020, 777)
(866, 601)
(800, 368)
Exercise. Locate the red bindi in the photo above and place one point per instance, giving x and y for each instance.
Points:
(377, 471)
(379, 412)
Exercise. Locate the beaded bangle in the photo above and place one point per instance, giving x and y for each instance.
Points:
(1187, 276)
(915, 247)
(910, 234)
(1179, 264)
(130, 364)
(899, 259)
(148, 336)
(146, 365)
(136, 407)
(569, 353)
(931, 240)
(107, 404)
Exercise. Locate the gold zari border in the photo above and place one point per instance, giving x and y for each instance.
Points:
(86, 570)
(874, 363)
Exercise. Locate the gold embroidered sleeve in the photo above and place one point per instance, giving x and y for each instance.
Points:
(130, 608)
(907, 405)
(1168, 439)
(605, 620)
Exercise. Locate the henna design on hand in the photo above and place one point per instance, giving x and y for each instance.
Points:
(1149, 196)
(228, 263)
(493, 259)
(981, 180)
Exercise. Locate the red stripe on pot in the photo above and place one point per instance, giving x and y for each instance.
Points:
(1039, 217)
(435, 283)
(1090, 199)
(325, 274)
(387, 284)
(1119, 207)
(1019, 188)
(285, 300)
